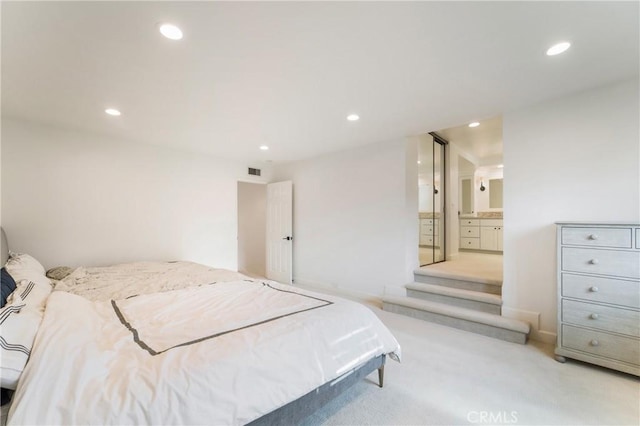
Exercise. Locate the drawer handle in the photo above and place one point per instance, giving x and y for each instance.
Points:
(594, 342)
(593, 237)
(594, 261)
(594, 289)
(594, 316)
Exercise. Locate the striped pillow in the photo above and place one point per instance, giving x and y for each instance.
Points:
(19, 322)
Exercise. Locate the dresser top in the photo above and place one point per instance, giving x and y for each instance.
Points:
(588, 223)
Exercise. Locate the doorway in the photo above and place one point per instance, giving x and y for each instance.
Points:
(252, 222)
(265, 230)
(432, 199)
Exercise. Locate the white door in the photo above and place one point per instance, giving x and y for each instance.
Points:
(280, 231)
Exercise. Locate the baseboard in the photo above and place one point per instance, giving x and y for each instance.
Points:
(338, 291)
(546, 337)
(533, 318)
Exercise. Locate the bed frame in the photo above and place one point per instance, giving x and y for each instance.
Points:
(299, 409)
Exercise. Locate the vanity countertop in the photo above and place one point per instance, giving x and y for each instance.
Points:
(482, 215)
(428, 215)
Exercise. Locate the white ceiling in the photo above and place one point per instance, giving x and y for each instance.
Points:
(287, 74)
(481, 145)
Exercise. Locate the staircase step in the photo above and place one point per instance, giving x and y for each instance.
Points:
(464, 282)
(483, 302)
(491, 325)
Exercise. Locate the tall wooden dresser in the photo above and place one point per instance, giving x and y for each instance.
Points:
(599, 294)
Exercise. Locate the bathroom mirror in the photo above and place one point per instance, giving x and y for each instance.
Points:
(466, 192)
(495, 193)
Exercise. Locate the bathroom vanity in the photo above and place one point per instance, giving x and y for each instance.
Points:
(481, 233)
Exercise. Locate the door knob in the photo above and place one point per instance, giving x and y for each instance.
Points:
(288, 238)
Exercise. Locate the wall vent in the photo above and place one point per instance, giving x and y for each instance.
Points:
(254, 172)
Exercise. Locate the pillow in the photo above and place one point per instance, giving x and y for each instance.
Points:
(59, 272)
(19, 322)
(25, 267)
(8, 286)
(24, 261)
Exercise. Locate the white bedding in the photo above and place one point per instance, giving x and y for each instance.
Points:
(93, 362)
(130, 279)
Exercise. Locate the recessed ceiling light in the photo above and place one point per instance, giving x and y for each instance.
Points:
(171, 31)
(353, 117)
(113, 111)
(264, 147)
(500, 166)
(419, 162)
(474, 124)
(557, 49)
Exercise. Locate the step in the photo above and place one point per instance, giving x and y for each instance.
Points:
(483, 302)
(490, 325)
(464, 282)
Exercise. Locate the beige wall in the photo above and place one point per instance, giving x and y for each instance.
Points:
(571, 159)
(356, 218)
(73, 198)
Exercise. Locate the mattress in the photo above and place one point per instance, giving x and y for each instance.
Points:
(217, 353)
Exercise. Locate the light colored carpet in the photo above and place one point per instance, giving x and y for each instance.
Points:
(451, 377)
(428, 255)
(488, 266)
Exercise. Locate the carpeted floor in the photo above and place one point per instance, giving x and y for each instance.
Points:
(481, 265)
(451, 377)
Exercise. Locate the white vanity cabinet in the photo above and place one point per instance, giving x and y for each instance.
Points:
(481, 234)
(491, 234)
(470, 234)
(598, 282)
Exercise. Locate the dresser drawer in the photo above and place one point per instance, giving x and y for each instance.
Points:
(426, 221)
(597, 237)
(429, 230)
(470, 243)
(469, 222)
(603, 262)
(470, 232)
(603, 290)
(599, 343)
(430, 240)
(607, 318)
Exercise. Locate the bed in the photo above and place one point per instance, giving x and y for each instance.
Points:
(186, 344)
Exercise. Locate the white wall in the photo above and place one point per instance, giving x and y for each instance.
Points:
(252, 227)
(356, 218)
(572, 159)
(453, 201)
(71, 198)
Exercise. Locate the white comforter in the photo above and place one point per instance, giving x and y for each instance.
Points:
(131, 279)
(217, 354)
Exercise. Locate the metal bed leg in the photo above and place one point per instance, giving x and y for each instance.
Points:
(381, 376)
